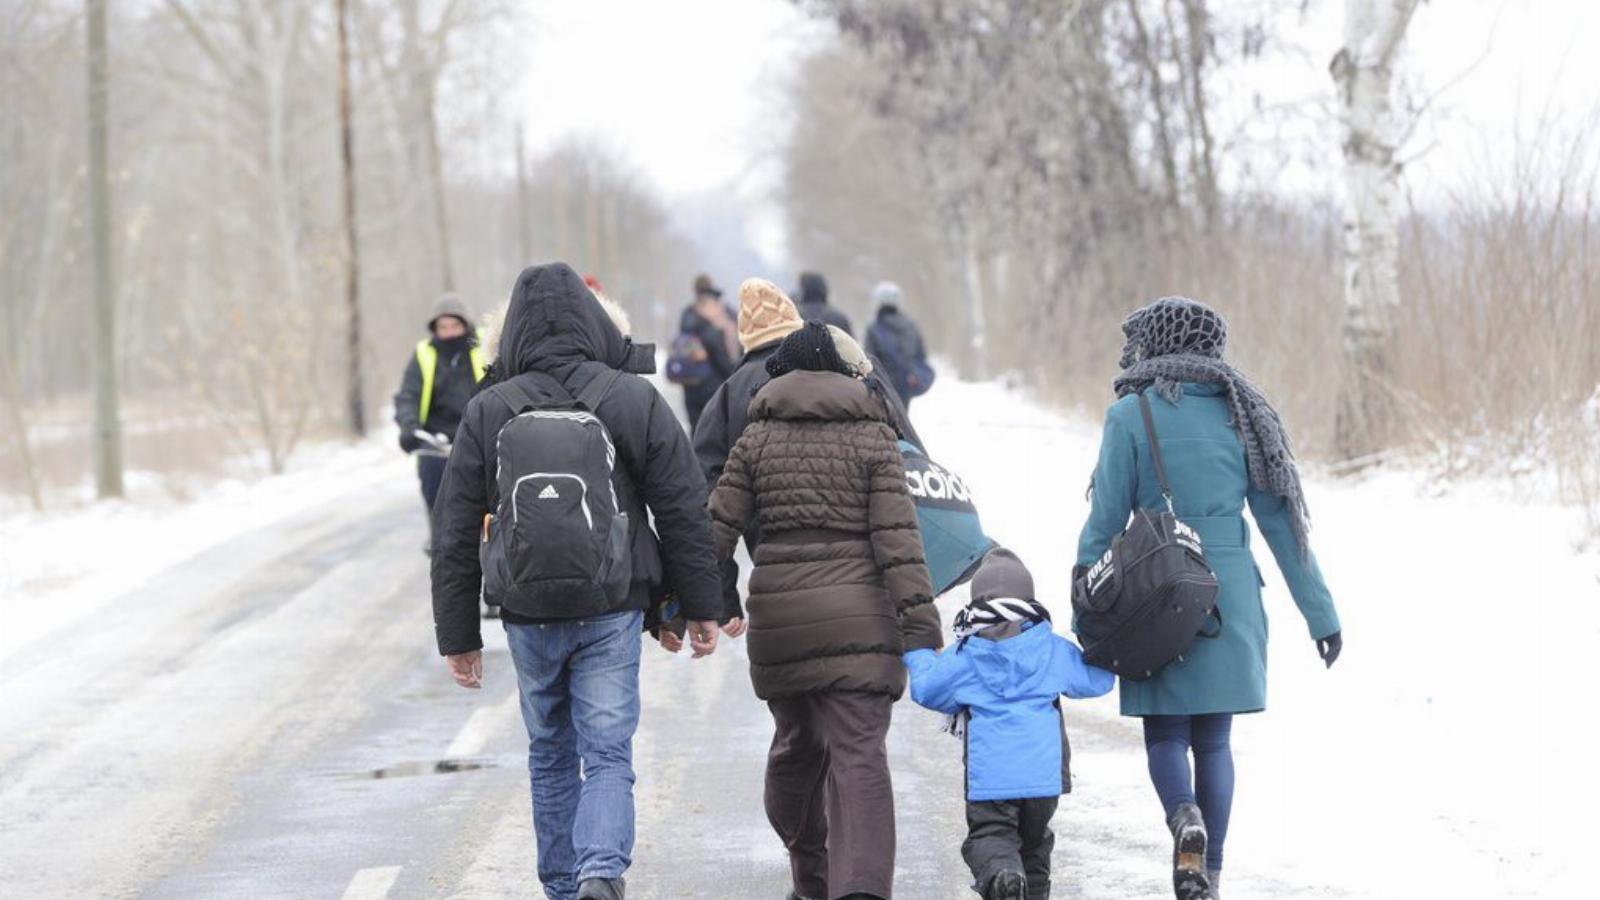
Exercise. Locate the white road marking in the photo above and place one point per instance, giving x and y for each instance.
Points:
(475, 733)
(371, 884)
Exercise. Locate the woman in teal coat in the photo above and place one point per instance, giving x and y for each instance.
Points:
(1224, 448)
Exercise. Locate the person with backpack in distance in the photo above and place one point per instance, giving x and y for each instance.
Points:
(1001, 685)
(442, 375)
(839, 593)
(706, 350)
(814, 305)
(895, 340)
(1220, 446)
(766, 317)
(560, 465)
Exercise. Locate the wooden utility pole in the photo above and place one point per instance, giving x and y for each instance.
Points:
(352, 266)
(1363, 70)
(524, 225)
(107, 420)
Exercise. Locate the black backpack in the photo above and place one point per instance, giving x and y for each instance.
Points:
(557, 544)
(1146, 600)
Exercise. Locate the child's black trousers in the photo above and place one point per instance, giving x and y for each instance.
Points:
(1014, 835)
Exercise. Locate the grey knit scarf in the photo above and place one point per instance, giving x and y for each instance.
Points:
(1175, 340)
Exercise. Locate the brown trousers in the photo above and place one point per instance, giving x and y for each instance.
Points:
(828, 794)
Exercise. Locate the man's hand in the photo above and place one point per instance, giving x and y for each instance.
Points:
(703, 637)
(467, 668)
(670, 634)
(734, 627)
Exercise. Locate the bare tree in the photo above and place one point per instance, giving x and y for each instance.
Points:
(108, 422)
(1363, 69)
(356, 399)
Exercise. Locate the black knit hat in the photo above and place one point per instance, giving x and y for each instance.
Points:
(811, 349)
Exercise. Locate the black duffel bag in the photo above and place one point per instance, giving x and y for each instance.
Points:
(1152, 594)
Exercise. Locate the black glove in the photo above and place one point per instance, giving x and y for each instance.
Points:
(408, 440)
(1328, 648)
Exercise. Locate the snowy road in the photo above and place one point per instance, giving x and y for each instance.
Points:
(268, 718)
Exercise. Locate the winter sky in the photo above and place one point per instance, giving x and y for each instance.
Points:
(692, 91)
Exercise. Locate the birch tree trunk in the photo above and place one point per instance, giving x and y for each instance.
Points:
(107, 420)
(1363, 70)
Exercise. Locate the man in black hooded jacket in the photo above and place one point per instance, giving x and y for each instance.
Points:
(578, 677)
(814, 305)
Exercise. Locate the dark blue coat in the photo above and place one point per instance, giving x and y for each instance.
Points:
(1211, 487)
(1010, 687)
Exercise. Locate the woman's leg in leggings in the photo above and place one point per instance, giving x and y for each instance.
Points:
(1213, 779)
(1166, 746)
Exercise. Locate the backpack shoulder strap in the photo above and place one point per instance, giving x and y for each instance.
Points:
(1155, 449)
(516, 397)
(597, 387)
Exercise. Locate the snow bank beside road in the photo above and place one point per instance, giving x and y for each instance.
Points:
(61, 566)
(1446, 754)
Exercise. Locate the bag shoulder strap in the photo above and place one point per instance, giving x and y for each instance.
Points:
(1155, 450)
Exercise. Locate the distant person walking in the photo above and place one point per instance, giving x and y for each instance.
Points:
(706, 350)
(897, 342)
(443, 373)
(1224, 447)
(567, 475)
(814, 305)
(839, 592)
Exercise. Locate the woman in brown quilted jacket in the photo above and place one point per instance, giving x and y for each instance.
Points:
(838, 593)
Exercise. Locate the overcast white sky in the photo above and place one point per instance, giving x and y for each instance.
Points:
(691, 90)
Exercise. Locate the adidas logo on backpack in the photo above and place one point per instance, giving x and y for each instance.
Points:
(549, 493)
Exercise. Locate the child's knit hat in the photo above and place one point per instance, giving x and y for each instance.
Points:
(1002, 591)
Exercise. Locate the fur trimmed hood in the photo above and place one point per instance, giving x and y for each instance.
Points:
(494, 321)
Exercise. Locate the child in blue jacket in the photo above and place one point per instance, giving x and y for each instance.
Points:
(1001, 684)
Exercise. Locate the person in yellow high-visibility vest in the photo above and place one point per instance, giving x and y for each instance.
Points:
(444, 372)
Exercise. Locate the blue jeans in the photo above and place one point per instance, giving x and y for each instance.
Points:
(1167, 742)
(579, 681)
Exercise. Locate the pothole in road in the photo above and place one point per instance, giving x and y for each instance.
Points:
(423, 767)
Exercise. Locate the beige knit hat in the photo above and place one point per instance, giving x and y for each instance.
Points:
(850, 351)
(766, 313)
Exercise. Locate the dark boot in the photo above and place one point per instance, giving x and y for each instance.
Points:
(1007, 886)
(1189, 854)
(601, 889)
(1215, 877)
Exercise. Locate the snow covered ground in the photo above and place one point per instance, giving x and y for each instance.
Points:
(63, 565)
(200, 678)
(1450, 750)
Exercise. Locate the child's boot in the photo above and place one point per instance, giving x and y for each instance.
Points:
(1007, 885)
